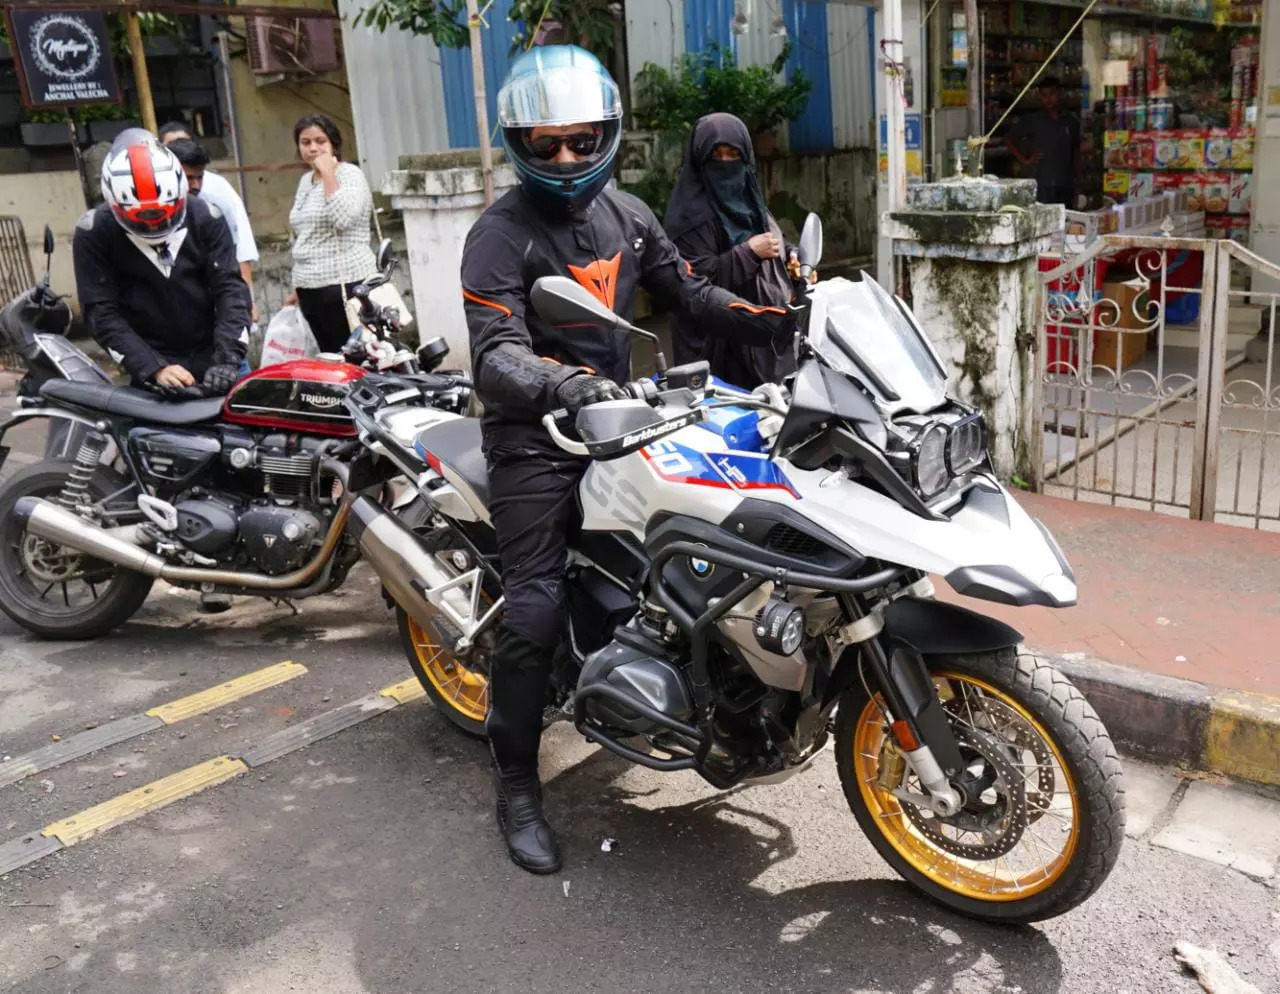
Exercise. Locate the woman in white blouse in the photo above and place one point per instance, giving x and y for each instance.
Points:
(330, 219)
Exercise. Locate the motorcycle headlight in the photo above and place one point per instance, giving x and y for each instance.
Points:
(965, 445)
(931, 461)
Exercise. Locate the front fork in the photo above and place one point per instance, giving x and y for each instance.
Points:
(920, 726)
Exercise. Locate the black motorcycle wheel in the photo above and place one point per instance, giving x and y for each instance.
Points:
(1044, 817)
(52, 592)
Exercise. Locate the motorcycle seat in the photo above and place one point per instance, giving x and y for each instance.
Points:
(130, 402)
(456, 445)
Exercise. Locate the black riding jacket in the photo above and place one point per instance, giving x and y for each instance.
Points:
(194, 317)
(518, 360)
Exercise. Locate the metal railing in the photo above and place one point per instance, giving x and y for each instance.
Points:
(1154, 390)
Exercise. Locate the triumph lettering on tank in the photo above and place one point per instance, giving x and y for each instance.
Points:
(322, 400)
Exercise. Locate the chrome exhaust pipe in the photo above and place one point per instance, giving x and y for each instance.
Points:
(414, 578)
(58, 525)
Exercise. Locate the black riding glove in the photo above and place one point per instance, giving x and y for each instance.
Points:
(221, 378)
(578, 391)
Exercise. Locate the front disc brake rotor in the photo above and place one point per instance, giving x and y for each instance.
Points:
(986, 829)
(1019, 738)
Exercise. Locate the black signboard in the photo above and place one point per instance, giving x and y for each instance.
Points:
(63, 57)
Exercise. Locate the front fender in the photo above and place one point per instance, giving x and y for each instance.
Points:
(937, 628)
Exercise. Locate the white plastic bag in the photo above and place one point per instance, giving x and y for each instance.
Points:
(288, 337)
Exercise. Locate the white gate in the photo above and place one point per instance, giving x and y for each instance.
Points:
(1158, 385)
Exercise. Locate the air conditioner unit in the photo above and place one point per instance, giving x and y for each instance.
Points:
(283, 45)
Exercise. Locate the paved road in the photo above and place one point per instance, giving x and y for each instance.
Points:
(367, 863)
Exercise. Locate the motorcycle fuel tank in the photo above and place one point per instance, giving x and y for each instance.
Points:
(303, 395)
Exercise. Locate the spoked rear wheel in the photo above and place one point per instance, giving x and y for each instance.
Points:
(458, 684)
(55, 591)
(1043, 813)
(458, 687)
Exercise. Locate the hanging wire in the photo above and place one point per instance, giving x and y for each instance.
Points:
(976, 142)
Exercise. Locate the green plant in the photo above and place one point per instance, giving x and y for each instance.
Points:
(441, 20)
(710, 81)
(47, 117)
(590, 23)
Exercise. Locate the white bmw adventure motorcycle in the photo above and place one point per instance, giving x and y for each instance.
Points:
(751, 582)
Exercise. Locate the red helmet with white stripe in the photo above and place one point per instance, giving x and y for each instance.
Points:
(145, 186)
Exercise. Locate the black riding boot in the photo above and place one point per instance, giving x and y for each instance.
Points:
(517, 693)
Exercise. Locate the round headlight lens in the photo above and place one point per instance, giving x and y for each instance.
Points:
(931, 461)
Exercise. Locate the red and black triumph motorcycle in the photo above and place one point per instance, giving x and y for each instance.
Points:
(243, 494)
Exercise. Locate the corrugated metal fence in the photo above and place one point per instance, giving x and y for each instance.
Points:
(411, 98)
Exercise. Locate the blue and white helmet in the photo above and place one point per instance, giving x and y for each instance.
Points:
(558, 85)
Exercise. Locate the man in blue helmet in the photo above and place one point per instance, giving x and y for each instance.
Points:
(561, 119)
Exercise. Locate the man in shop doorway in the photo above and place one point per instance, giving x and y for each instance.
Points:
(213, 188)
(1047, 143)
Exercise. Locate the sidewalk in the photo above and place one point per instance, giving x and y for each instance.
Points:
(1165, 595)
(1176, 637)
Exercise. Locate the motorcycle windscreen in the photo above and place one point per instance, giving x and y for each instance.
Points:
(868, 334)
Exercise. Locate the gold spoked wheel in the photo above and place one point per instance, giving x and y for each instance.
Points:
(458, 687)
(1029, 841)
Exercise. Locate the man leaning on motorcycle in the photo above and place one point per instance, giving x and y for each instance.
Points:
(157, 275)
(560, 113)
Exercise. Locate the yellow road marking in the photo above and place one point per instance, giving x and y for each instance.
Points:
(138, 802)
(232, 690)
(405, 691)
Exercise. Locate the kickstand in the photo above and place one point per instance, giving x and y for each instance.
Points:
(286, 602)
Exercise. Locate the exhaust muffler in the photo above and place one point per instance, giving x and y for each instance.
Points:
(60, 526)
(414, 578)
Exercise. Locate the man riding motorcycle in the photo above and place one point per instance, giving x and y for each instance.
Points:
(561, 118)
(157, 275)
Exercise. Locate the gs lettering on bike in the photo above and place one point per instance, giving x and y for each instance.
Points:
(617, 496)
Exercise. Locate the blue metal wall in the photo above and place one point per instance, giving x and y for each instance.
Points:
(706, 22)
(455, 71)
(807, 29)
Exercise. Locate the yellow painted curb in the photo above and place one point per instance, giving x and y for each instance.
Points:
(232, 690)
(138, 802)
(1243, 737)
(405, 691)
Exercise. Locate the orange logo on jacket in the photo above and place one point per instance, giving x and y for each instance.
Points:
(600, 276)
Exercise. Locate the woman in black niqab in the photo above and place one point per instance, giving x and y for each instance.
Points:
(718, 220)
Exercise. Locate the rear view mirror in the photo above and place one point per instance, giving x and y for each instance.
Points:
(811, 242)
(385, 258)
(48, 240)
(564, 303)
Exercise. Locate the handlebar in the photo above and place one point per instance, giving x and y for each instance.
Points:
(562, 440)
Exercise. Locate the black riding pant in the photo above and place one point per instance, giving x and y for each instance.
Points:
(532, 503)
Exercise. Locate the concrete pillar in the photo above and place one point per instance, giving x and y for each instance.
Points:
(1266, 170)
(971, 247)
(441, 196)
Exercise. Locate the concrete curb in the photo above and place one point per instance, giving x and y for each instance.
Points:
(1170, 720)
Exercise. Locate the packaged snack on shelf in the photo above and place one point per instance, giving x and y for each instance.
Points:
(1166, 148)
(1216, 192)
(1241, 200)
(1166, 182)
(1239, 230)
(1217, 149)
(1116, 184)
(1190, 150)
(1141, 185)
(1217, 226)
(1193, 183)
(1242, 148)
(1115, 144)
